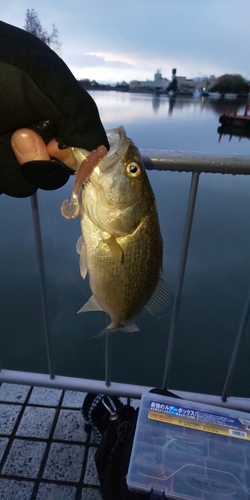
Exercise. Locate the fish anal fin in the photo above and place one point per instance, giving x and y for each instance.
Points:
(161, 301)
(91, 305)
(131, 329)
(115, 248)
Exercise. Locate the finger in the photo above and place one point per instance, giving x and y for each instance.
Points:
(65, 155)
(28, 146)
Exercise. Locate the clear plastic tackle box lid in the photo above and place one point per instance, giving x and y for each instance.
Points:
(189, 450)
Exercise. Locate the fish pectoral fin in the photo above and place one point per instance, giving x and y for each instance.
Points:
(83, 262)
(79, 244)
(91, 305)
(81, 250)
(161, 301)
(115, 248)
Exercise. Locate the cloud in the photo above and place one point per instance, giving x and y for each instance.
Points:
(113, 57)
(91, 60)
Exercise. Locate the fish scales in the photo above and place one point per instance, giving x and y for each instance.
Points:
(122, 289)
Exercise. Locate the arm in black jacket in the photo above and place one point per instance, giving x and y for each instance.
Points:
(38, 91)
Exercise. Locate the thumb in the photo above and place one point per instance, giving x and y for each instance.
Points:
(27, 146)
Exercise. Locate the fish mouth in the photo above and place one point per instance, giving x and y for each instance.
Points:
(119, 144)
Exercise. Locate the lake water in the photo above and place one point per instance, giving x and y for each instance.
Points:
(218, 267)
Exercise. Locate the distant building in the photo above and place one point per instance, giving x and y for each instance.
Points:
(188, 86)
(158, 84)
(185, 85)
(205, 83)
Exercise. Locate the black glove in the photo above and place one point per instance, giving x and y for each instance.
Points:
(38, 91)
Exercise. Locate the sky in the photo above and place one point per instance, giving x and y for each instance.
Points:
(114, 40)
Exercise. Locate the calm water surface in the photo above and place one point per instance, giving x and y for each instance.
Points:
(218, 267)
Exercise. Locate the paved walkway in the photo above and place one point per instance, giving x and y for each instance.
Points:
(45, 451)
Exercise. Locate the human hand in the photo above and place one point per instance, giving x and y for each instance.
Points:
(29, 146)
(39, 93)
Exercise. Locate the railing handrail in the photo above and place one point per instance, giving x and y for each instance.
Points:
(114, 389)
(195, 163)
(182, 161)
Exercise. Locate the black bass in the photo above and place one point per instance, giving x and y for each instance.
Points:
(121, 246)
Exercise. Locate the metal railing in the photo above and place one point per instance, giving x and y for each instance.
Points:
(160, 160)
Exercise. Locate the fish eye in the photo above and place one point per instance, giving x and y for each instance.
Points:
(133, 169)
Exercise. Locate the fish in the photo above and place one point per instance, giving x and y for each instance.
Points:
(121, 247)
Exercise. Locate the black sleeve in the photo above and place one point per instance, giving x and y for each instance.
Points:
(38, 91)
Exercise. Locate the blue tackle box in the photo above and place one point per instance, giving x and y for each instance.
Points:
(190, 451)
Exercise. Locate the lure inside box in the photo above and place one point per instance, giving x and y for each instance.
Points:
(188, 450)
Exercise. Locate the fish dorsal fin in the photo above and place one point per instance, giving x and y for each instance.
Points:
(81, 249)
(91, 305)
(115, 248)
(161, 301)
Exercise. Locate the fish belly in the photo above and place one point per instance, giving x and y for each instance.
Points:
(122, 288)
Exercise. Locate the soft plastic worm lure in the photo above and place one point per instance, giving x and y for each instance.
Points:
(70, 208)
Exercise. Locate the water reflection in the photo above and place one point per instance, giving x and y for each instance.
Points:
(181, 123)
(231, 131)
(156, 102)
(172, 101)
(126, 105)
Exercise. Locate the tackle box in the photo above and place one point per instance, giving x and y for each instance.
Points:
(190, 451)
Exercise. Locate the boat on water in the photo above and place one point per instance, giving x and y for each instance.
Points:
(214, 95)
(234, 124)
(229, 96)
(217, 95)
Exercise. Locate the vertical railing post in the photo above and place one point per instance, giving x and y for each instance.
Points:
(39, 249)
(108, 359)
(240, 333)
(107, 355)
(181, 273)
